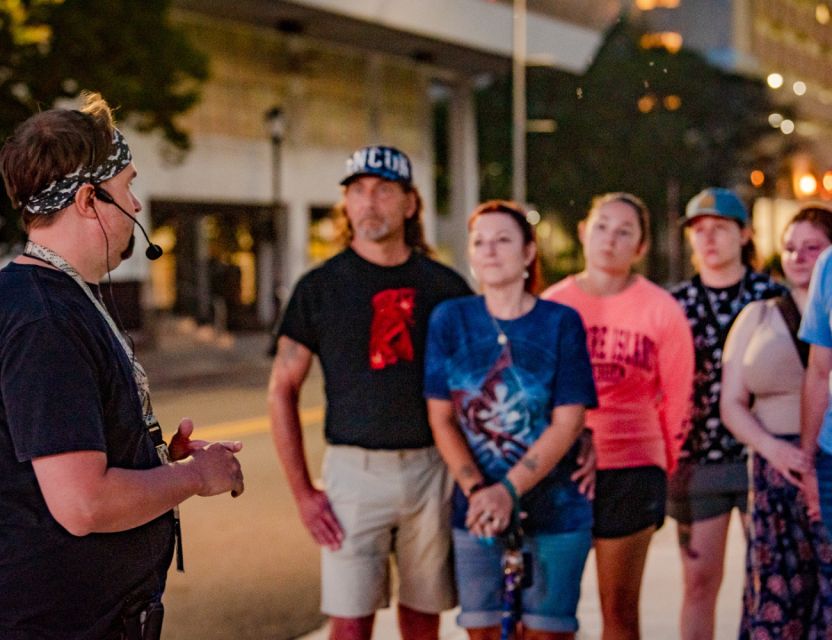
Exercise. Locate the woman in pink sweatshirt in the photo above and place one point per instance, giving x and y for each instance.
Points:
(642, 356)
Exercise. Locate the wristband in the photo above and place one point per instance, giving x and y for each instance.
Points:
(474, 488)
(512, 491)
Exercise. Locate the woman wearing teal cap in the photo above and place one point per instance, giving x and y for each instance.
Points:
(711, 478)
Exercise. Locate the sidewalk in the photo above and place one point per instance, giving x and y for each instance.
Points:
(186, 354)
(661, 596)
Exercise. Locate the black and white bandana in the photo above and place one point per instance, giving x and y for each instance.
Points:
(59, 194)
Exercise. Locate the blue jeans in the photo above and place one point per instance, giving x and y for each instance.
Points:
(549, 604)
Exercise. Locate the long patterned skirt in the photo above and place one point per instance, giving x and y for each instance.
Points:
(788, 585)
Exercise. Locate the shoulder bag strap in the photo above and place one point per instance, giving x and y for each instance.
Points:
(791, 314)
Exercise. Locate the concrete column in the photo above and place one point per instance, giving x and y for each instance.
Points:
(464, 170)
(426, 175)
(293, 220)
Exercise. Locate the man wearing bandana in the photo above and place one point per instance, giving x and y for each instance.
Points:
(364, 313)
(89, 489)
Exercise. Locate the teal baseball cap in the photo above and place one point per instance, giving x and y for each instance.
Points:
(716, 202)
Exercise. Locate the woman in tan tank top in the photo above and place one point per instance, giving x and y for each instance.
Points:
(787, 589)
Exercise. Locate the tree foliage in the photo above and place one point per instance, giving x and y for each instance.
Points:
(127, 50)
(640, 120)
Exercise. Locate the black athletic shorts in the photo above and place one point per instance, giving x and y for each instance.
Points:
(628, 500)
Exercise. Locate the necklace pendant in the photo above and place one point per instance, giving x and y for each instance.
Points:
(502, 338)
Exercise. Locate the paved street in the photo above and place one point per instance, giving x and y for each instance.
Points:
(252, 571)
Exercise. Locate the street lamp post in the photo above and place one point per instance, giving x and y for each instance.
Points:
(276, 124)
(518, 182)
(276, 263)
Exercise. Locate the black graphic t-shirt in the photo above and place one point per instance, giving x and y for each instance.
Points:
(368, 324)
(711, 312)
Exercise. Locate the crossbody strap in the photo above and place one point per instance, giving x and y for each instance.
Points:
(791, 314)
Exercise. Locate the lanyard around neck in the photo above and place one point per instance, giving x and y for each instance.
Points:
(154, 430)
(39, 252)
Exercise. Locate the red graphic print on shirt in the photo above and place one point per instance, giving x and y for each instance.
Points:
(390, 339)
(495, 416)
(612, 349)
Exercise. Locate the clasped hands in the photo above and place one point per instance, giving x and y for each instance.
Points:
(489, 511)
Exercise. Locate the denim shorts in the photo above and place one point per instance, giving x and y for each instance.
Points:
(549, 604)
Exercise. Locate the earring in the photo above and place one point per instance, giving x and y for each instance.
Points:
(525, 274)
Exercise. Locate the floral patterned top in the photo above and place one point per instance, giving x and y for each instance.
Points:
(711, 312)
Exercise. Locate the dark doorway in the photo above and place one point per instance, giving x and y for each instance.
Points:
(218, 264)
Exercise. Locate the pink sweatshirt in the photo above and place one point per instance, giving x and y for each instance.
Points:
(642, 357)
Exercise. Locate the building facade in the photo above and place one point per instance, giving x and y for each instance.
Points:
(294, 88)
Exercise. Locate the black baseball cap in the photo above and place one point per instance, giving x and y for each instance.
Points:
(383, 162)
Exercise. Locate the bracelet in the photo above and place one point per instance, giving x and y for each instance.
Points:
(474, 488)
(512, 491)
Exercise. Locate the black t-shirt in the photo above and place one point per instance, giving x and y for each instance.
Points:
(368, 325)
(66, 385)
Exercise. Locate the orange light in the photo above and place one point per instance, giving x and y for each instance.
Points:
(649, 5)
(672, 102)
(807, 184)
(827, 180)
(758, 178)
(669, 40)
(646, 103)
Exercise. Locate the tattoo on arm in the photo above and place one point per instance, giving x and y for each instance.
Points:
(467, 471)
(530, 462)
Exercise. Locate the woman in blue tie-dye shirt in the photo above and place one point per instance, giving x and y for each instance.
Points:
(508, 378)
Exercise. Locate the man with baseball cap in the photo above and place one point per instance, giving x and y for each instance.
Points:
(364, 313)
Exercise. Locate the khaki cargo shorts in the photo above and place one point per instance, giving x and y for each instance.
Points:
(389, 503)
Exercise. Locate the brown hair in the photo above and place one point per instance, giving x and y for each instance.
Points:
(518, 214)
(51, 144)
(749, 255)
(641, 210)
(818, 215)
(414, 232)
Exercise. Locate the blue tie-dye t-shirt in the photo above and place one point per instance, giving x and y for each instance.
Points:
(503, 395)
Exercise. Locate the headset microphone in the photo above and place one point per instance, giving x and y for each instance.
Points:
(153, 251)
